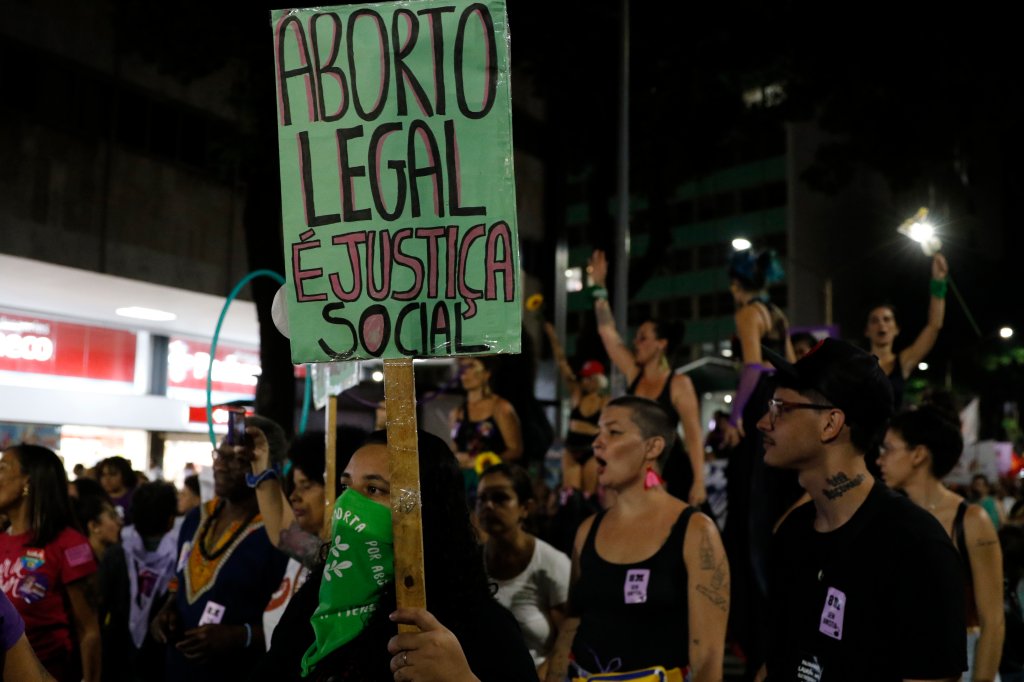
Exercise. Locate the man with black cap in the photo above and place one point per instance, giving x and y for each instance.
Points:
(863, 584)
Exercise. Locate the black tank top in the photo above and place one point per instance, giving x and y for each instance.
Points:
(777, 334)
(960, 542)
(664, 398)
(581, 442)
(477, 437)
(633, 616)
(898, 383)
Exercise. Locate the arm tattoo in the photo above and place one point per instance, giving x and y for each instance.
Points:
(603, 312)
(841, 484)
(707, 553)
(718, 600)
(718, 577)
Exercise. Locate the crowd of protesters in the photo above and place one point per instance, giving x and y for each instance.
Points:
(843, 554)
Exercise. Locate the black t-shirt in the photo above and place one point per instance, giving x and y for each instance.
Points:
(880, 598)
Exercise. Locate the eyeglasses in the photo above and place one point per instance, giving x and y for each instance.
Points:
(776, 407)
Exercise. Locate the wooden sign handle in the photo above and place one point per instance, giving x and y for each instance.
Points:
(406, 503)
(330, 462)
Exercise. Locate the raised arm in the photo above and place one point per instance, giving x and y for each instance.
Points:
(684, 399)
(277, 513)
(563, 365)
(617, 350)
(925, 341)
(707, 571)
(986, 559)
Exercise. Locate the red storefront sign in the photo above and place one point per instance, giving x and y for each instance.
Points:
(235, 370)
(39, 346)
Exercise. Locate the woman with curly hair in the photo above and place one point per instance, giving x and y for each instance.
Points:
(342, 626)
(45, 563)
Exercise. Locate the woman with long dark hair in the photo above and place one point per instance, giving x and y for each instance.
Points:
(45, 561)
(464, 632)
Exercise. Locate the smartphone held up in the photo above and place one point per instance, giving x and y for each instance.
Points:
(236, 426)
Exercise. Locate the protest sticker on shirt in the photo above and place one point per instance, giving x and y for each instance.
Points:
(832, 614)
(33, 559)
(397, 180)
(213, 614)
(636, 585)
(33, 587)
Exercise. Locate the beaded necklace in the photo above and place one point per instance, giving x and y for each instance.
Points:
(204, 565)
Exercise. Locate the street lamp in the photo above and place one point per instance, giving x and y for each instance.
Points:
(741, 244)
(1005, 332)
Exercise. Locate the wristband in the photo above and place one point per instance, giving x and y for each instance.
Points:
(254, 480)
(938, 287)
(248, 635)
(599, 292)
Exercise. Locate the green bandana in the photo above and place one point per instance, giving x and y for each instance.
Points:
(360, 562)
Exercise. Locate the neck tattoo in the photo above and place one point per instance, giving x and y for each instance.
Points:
(840, 484)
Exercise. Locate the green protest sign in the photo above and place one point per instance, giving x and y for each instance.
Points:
(397, 182)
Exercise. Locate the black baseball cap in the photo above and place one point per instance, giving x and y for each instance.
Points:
(847, 376)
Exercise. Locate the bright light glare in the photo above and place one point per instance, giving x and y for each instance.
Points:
(378, 376)
(922, 366)
(741, 244)
(726, 352)
(727, 399)
(921, 232)
(1005, 332)
(151, 314)
(574, 279)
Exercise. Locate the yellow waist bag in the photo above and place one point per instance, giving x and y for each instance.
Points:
(653, 674)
